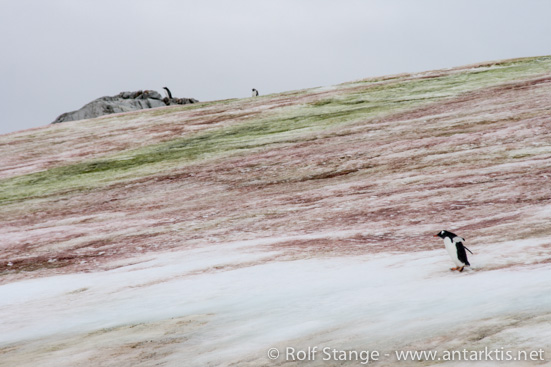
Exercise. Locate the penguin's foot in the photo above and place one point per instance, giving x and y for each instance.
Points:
(453, 269)
(461, 269)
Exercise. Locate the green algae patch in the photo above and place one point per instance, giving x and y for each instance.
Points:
(146, 161)
(348, 103)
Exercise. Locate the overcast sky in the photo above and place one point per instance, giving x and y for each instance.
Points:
(57, 55)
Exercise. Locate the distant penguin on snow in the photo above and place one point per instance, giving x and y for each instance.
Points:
(456, 249)
(255, 93)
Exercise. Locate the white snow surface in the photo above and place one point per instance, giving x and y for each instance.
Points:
(252, 302)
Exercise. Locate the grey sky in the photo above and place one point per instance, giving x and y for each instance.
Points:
(58, 55)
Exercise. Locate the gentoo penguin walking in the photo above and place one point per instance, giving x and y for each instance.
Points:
(255, 93)
(168, 94)
(456, 249)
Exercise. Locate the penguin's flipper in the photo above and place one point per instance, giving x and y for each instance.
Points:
(461, 254)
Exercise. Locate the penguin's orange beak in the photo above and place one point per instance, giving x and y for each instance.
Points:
(435, 235)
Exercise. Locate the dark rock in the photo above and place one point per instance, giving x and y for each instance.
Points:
(149, 94)
(122, 102)
(171, 101)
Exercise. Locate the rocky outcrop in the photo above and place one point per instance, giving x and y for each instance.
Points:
(122, 102)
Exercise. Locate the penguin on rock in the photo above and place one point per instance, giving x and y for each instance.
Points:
(168, 94)
(456, 249)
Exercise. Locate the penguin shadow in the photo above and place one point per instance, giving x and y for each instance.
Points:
(449, 269)
(465, 270)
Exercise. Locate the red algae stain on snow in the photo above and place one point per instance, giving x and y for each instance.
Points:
(356, 245)
(478, 163)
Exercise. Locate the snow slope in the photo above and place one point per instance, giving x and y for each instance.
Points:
(205, 235)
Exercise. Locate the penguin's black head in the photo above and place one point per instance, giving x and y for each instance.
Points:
(444, 234)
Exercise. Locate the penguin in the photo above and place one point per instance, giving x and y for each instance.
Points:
(255, 93)
(456, 249)
(168, 92)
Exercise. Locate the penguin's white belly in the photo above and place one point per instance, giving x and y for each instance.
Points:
(452, 250)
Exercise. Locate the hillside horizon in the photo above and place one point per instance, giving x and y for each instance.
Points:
(212, 232)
